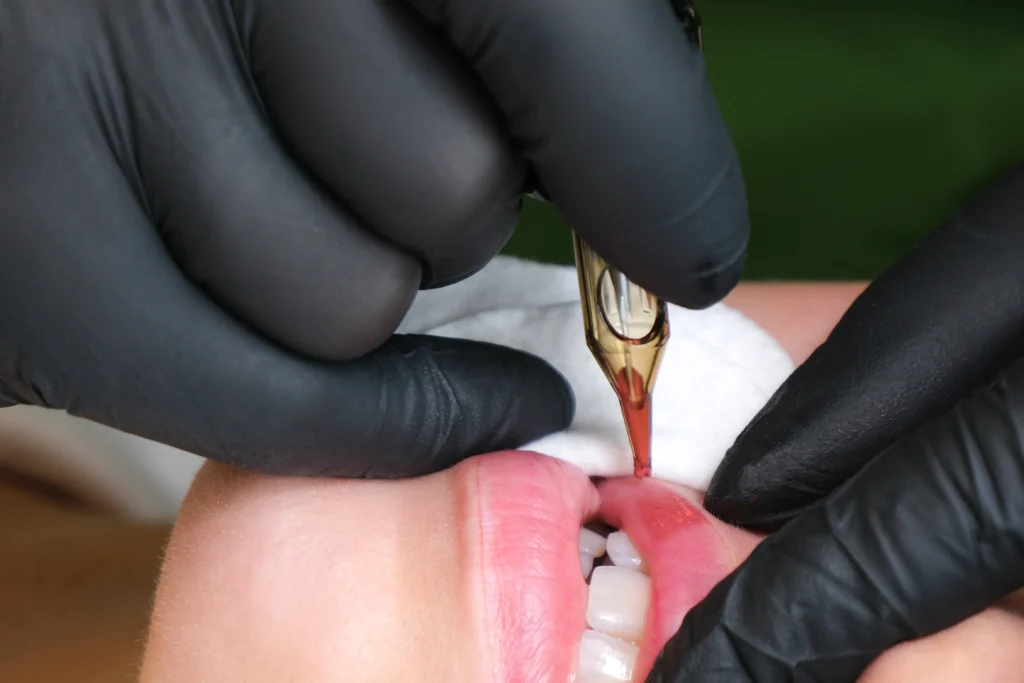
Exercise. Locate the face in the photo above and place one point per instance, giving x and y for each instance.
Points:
(470, 575)
(476, 574)
(475, 571)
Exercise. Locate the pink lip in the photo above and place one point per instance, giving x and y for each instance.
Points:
(524, 512)
(681, 543)
(527, 514)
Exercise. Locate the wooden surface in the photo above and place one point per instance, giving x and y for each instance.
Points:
(75, 589)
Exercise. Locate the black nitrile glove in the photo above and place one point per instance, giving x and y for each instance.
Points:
(927, 534)
(213, 215)
(942, 322)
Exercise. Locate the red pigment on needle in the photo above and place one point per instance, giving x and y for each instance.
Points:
(636, 409)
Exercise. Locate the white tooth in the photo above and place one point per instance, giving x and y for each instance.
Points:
(604, 659)
(591, 543)
(618, 602)
(622, 552)
(587, 564)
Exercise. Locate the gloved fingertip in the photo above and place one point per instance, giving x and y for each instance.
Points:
(746, 512)
(568, 401)
(711, 286)
(737, 496)
(7, 400)
(548, 405)
(503, 398)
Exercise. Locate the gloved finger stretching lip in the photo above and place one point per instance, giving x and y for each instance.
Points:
(608, 622)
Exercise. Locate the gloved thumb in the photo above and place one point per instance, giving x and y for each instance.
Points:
(941, 323)
(927, 535)
(154, 358)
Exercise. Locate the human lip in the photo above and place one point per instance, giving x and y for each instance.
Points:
(532, 603)
(523, 513)
(681, 543)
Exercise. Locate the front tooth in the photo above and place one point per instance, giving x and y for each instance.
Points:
(622, 552)
(587, 564)
(618, 602)
(604, 659)
(591, 543)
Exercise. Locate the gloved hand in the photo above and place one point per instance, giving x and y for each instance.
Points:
(215, 214)
(928, 527)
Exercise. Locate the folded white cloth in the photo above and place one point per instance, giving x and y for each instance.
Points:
(718, 370)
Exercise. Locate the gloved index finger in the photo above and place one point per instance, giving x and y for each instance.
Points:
(610, 103)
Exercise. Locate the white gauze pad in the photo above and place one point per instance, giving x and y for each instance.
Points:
(718, 369)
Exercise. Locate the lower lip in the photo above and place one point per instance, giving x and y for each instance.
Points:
(680, 544)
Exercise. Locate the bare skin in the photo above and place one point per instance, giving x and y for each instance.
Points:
(799, 315)
(299, 589)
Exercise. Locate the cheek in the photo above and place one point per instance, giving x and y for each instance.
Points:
(288, 579)
(987, 648)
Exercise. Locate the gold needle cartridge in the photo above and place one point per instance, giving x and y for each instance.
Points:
(626, 329)
(627, 326)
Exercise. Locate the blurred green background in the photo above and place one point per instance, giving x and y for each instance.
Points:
(859, 127)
